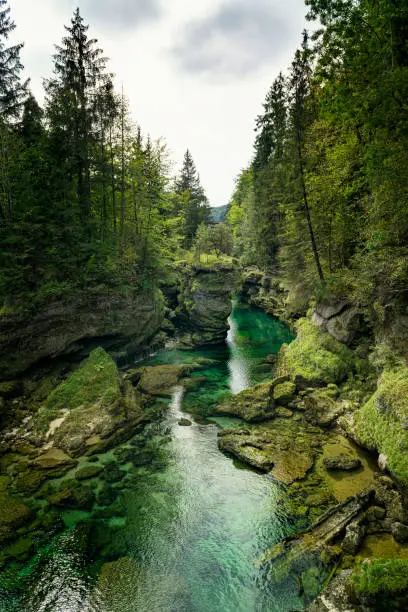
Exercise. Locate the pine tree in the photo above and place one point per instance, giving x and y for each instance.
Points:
(12, 91)
(197, 209)
(79, 70)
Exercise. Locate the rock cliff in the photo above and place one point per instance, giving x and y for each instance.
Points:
(205, 302)
(77, 323)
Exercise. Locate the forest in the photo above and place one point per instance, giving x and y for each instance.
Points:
(206, 408)
(85, 198)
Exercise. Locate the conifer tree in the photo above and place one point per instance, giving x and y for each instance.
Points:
(12, 90)
(79, 69)
(197, 209)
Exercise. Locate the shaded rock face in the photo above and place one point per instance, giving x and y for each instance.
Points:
(70, 325)
(340, 319)
(205, 302)
(264, 291)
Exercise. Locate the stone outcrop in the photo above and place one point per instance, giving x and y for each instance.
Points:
(339, 318)
(264, 291)
(315, 358)
(76, 322)
(381, 425)
(283, 447)
(253, 405)
(205, 302)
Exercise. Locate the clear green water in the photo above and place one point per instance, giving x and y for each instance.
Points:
(191, 525)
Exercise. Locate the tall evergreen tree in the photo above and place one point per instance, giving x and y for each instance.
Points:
(12, 90)
(197, 209)
(79, 70)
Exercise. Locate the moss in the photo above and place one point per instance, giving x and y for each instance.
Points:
(383, 422)
(253, 405)
(96, 379)
(284, 393)
(315, 357)
(380, 577)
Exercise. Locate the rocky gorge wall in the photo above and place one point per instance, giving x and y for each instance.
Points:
(75, 324)
(204, 302)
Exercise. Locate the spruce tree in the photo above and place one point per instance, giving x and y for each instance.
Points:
(197, 209)
(12, 91)
(79, 70)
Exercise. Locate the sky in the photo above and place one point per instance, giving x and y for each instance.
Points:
(195, 72)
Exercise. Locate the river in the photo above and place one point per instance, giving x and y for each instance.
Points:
(190, 526)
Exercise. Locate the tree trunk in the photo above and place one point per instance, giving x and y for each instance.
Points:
(307, 213)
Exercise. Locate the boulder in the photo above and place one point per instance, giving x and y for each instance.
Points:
(160, 380)
(342, 462)
(400, 532)
(184, 423)
(353, 539)
(315, 358)
(321, 409)
(380, 424)
(253, 405)
(53, 459)
(284, 393)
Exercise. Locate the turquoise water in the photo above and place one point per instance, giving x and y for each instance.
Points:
(185, 530)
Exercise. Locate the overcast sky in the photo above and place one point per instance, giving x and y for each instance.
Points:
(195, 72)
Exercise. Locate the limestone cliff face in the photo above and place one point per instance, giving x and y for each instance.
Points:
(72, 324)
(205, 301)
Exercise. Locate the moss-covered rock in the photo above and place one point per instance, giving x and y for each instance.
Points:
(89, 411)
(321, 409)
(284, 393)
(13, 514)
(286, 449)
(381, 583)
(315, 358)
(161, 379)
(253, 405)
(382, 423)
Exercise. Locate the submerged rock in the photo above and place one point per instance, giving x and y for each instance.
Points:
(89, 471)
(13, 514)
(342, 462)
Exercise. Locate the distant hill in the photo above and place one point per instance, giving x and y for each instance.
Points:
(219, 213)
